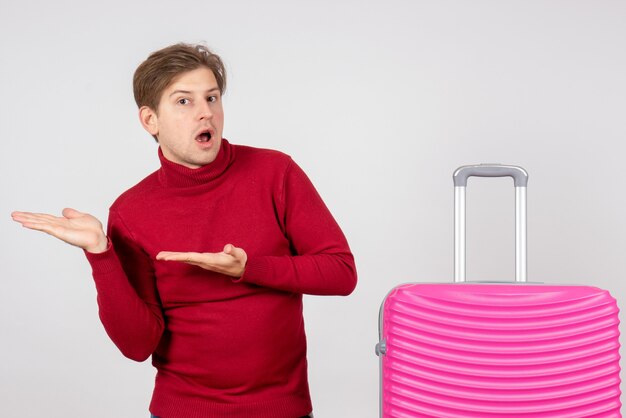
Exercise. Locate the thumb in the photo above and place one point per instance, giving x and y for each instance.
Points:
(71, 213)
(236, 252)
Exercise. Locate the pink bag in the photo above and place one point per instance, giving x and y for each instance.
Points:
(472, 349)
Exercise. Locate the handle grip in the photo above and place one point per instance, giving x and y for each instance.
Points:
(460, 176)
(520, 177)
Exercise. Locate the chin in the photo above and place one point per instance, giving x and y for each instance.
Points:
(206, 160)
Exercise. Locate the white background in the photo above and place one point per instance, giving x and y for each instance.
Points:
(378, 101)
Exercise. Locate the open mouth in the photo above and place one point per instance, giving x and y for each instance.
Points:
(204, 136)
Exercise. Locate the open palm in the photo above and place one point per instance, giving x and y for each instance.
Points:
(76, 228)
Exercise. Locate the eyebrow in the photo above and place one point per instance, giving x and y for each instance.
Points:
(189, 92)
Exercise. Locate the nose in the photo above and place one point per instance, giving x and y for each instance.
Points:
(204, 110)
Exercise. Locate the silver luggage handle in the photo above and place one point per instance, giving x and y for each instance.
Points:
(520, 178)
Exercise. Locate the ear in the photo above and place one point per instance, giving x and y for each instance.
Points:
(149, 120)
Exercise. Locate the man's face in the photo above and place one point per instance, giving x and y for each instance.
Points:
(189, 120)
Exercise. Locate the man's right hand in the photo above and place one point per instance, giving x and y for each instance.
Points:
(76, 228)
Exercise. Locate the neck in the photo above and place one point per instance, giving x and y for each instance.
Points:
(178, 176)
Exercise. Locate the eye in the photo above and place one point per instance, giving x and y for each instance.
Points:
(183, 101)
(211, 99)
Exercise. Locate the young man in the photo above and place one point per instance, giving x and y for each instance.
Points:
(205, 260)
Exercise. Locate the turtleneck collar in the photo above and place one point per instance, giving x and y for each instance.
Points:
(175, 175)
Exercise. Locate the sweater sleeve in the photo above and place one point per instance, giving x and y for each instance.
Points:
(321, 262)
(129, 306)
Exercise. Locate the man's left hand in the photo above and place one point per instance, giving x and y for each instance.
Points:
(231, 261)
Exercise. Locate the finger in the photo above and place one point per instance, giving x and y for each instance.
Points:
(18, 214)
(26, 215)
(236, 252)
(165, 254)
(177, 256)
(31, 225)
(45, 216)
(71, 213)
(43, 227)
(34, 221)
(230, 249)
(204, 260)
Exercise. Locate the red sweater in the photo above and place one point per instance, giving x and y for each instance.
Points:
(223, 347)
